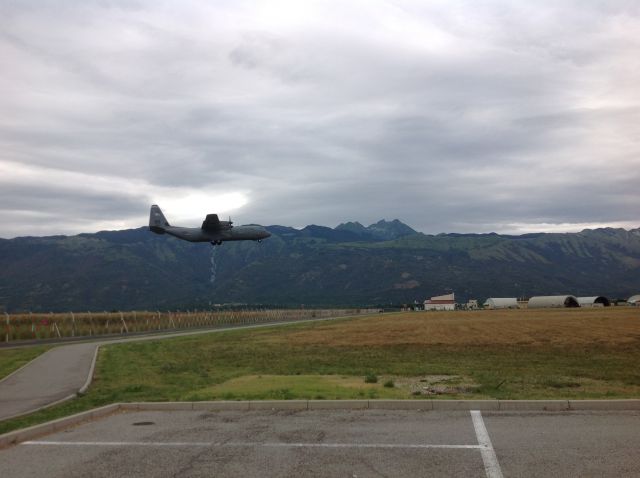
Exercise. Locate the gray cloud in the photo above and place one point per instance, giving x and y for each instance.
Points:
(451, 116)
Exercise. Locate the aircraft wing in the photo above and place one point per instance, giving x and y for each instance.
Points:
(211, 223)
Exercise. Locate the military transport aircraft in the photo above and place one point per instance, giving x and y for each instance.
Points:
(213, 230)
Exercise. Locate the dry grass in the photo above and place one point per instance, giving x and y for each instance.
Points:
(548, 327)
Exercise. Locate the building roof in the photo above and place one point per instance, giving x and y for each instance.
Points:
(553, 301)
(502, 301)
(634, 299)
(598, 299)
(444, 297)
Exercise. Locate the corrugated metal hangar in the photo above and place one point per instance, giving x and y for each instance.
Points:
(501, 303)
(549, 301)
(597, 301)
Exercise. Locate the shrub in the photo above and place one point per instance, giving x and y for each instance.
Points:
(389, 384)
(371, 378)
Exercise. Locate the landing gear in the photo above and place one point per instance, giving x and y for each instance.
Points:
(216, 243)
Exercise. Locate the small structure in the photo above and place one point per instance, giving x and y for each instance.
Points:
(550, 301)
(501, 303)
(598, 301)
(441, 302)
(634, 300)
(472, 304)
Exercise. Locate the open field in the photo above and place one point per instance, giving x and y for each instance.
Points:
(513, 354)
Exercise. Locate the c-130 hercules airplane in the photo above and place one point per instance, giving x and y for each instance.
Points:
(213, 230)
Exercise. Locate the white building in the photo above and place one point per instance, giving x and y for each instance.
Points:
(598, 301)
(549, 301)
(634, 300)
(501, 303)
(441, 302)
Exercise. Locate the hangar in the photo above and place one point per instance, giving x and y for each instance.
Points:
(549, 301)
(501, 303)
(634, 300)
(441, 302)
(598, 301)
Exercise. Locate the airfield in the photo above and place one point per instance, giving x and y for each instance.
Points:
(427, 360)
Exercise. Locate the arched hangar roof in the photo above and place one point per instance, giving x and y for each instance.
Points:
(501, 303)
(591, 301)
(634, 299)
(549, 301)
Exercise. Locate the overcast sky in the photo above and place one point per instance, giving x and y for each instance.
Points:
(452, 116)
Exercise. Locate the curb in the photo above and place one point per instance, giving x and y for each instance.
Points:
(18, 436)
(43, 407)
(84, 388)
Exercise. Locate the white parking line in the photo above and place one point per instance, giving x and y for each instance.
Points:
(491, 465)
(489, 459)
(246, 444)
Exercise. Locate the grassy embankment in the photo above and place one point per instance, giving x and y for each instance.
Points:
(525, 354)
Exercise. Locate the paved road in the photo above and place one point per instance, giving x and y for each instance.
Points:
(55, 375)
(346, 443)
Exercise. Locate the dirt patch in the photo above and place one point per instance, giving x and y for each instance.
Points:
(437, 385)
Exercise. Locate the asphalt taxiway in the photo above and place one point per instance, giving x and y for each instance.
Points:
(350, 443)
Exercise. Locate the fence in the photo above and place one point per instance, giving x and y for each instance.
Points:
(38, 326)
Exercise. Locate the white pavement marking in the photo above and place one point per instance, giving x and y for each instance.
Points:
(362, 445)
(117, 443)
(491, 465)
(246, 444)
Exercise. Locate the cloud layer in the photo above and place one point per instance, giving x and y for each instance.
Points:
(453, 116)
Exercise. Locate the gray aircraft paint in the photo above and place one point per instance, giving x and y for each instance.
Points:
(213, 230)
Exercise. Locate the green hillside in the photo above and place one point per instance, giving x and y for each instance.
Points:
(388, 262)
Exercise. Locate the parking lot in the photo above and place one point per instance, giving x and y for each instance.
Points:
(353, 443)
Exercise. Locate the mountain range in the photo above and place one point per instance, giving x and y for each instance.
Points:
(351, 265)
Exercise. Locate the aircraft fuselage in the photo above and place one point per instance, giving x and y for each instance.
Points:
(237, 233)
(213, 230)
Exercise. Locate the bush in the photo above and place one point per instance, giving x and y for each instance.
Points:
(371, 378)
(389, 384)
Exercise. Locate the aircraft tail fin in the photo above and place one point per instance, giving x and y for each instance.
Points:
(157, 221)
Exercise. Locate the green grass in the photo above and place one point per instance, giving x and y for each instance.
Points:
(287, 387)
(307, 361)
(12, 359)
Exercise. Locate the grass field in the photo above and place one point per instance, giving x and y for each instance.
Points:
(520, 354)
